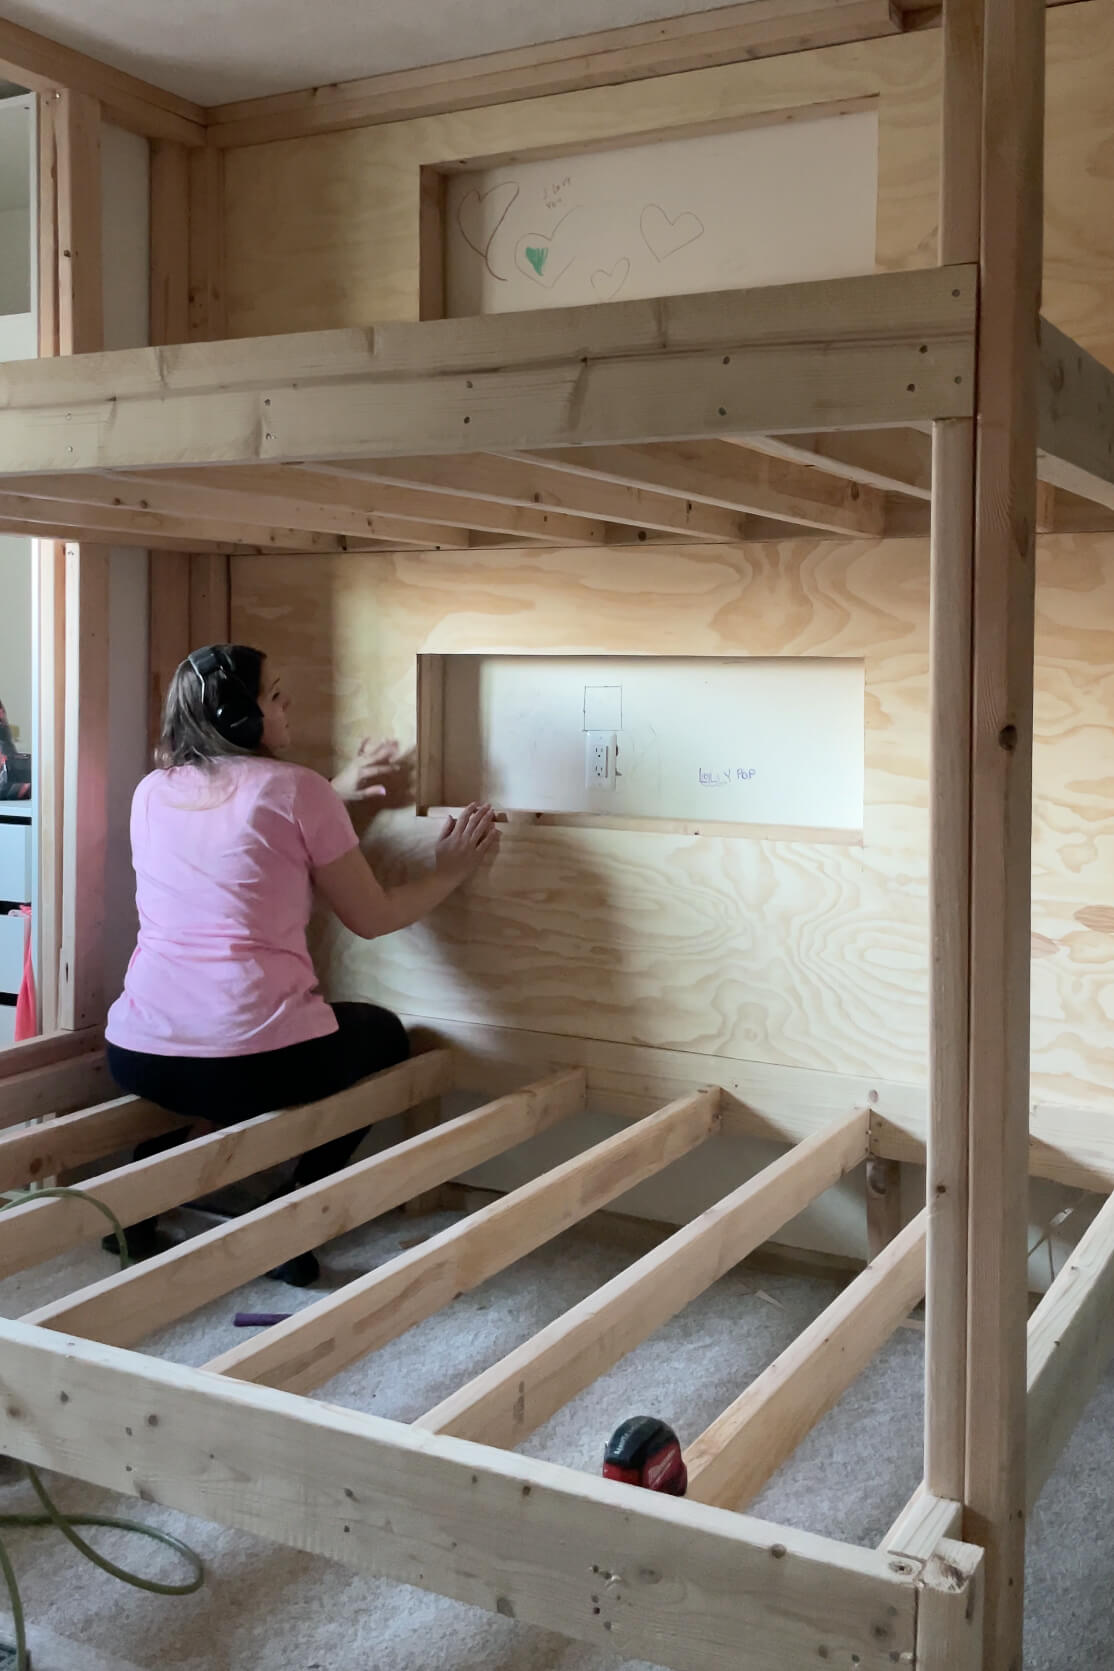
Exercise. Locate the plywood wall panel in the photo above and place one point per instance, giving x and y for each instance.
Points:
(807, 956)
(324, 231)
(796, 954)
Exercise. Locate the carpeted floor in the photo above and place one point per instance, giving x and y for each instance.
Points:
(267, 1608)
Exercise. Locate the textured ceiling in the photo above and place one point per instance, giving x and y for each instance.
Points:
(213, 51)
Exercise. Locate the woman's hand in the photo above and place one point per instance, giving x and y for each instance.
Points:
(375, 772)
(465, 842)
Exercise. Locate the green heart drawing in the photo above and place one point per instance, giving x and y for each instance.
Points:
(537, 258)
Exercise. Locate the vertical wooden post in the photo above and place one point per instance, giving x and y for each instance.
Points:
(952, 571)
(170, 226)
(170, 578)
(50, 612)
(207, 312)
(81, 994)
(209, 599)
(80, 282)
(81, 988)
(883, 1204)
(1001, 805)
(167, 628)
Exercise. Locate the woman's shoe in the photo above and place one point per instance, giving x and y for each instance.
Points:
(300, 1272)
(144, 1240)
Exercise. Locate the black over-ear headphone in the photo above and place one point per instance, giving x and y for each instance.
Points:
(232, 709)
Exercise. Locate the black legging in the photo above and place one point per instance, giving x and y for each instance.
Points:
(227, 1089)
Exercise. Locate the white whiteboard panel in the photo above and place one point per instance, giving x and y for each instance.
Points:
(776, 742)
(765, 205)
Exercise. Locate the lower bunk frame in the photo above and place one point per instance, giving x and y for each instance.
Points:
(444, 1502)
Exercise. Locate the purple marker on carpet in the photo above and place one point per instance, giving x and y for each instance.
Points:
(259, 1319)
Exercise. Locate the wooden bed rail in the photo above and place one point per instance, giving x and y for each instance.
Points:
(624, 1570)
(510, 1400)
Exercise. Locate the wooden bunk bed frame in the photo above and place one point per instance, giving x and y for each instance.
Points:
(552, 428)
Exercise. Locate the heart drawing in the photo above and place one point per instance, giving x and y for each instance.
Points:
(535, 256)
(608, 281)
(479, 215)
(664, 237)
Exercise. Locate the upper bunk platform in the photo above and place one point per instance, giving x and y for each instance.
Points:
(721, 416)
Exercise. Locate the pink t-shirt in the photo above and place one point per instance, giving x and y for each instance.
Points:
(224, 861)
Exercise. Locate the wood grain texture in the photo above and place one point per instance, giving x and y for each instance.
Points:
(506, 1533)
(325, 230)
(810, 957)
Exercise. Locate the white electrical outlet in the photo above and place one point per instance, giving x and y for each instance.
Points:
(599, 759)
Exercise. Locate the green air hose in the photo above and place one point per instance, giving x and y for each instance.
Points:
(52, 1515)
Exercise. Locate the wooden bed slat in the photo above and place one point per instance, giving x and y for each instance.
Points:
(364, 1315)
(130, 1304)
(512, 1398)
(41, 1229)
(55, 1088)
(75, 1139)
(734, 1457)
(1070, 1340)
(531, 482)
(728, 476)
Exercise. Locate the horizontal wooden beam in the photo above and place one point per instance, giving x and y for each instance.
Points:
(892, 460)
(744, 1447)
(716, 473)
(343, 480)
(725, 35)
(1070, 1145)
(40, 1229)
(61, 1145)
(45, 66)
(154, 529)
(931, 305)
(124, 1307)
(519, 481)
(1075, 436)
(55, 1088)
(685, 1584)
(510, 1400)
(922, 1523)
(1071, 1339)
(889, 348)
(359, 1318)
(48, 1049)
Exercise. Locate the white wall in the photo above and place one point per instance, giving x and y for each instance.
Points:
(15, 633)
(125, 184)
(15, 260)
(742, 741)
(761, 205)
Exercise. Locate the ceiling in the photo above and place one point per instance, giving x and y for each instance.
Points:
(215, 51)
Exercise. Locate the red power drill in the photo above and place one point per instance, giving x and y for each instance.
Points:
(645, 1451)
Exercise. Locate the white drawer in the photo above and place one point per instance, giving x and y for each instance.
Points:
(11, 953)
(7, 1024)
(15, 861)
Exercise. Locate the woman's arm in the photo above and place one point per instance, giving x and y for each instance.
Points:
(349, 888)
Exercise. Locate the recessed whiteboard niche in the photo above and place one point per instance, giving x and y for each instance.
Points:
(716, 746)
(760, 205)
